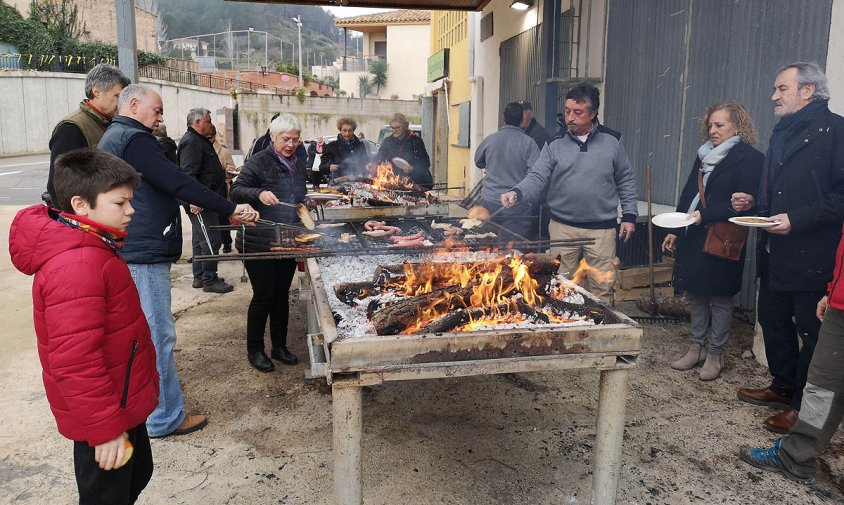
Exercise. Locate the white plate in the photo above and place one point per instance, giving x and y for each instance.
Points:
(673, 220)
(403, 164)
(323, 196)
(761, 224)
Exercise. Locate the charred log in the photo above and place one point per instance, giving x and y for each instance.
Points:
(402, 314)
(539, 265)
(347, 292)
(676, 306)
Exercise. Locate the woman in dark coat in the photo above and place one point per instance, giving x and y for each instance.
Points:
(270, 176)
(405, 144)
(347, 155)
(729, 165)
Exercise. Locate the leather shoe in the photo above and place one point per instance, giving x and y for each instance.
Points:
(189, 425)
(227, 249)
(283, 355)
(782, 422)
(218, 286)
(764, 397)
(197, 283)
(261, 362)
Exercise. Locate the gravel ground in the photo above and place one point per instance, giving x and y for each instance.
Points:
(505, 439)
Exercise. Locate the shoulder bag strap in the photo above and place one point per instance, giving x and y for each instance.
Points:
(700, 188)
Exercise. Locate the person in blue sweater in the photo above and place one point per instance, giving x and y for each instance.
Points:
(586, 172)
(154, 239)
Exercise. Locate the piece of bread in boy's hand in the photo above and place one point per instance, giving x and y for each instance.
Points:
(129, 450)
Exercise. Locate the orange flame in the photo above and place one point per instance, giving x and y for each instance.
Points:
(497, 294)
(386, 178)
(584, 269)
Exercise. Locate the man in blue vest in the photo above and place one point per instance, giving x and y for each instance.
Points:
(154, 239)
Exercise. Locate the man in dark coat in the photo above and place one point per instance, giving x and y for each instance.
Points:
(198, 159)
(408, 146)
(803, 190)
(531, 126)
(85, 126)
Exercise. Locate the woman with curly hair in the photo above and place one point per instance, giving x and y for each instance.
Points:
(347, 155)
(725, 164)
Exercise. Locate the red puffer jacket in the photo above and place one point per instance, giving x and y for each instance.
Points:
(97, 357)
(836, 287)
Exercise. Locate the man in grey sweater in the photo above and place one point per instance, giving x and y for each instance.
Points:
(506, 156)
(587, 173)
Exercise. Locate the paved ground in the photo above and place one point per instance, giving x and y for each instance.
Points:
(23, 179)
(508, 439)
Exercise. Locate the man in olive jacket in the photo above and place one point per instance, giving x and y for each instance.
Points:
(85, 126)
(802, 189)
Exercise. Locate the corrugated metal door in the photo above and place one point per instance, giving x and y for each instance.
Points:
(668, 60)
(520, 70)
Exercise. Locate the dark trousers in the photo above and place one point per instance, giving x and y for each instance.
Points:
(225, 235)
(113, 487)
(788, 317)
(206, 270)
(270, 281)
(823, 400)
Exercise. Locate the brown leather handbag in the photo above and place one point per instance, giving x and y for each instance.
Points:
(723, 239)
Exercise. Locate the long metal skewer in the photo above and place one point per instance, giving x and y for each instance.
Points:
(205, 232)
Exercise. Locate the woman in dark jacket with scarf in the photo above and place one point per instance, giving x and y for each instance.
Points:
(405, 144)
(270, 176)
(729, 164)
(347, 155)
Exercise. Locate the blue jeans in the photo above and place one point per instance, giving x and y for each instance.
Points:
(153, 283)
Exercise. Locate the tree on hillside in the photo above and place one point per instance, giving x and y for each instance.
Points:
(378, 69)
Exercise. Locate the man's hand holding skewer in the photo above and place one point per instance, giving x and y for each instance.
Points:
(244, 213)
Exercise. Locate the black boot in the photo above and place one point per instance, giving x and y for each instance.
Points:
(283, 355)
(261, 362)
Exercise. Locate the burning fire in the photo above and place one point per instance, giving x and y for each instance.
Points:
(584, 270)
(385, 178)
(502, 290)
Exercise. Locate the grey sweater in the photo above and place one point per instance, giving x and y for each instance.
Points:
(506, 155)
(585, 180)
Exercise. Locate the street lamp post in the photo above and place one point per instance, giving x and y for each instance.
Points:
(298, 20)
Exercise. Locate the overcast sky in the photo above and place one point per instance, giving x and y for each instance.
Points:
(344, 12)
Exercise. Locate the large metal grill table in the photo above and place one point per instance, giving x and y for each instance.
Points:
(345, 212)
(348, 364)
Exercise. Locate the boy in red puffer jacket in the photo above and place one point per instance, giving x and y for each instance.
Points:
(93, 340)
(822, 409)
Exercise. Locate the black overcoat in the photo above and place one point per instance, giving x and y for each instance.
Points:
(809, 187)
(694, 270)
(262, 172)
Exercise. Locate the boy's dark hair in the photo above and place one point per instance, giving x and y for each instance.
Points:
(513, 114)
(89, 172)
(585, 93)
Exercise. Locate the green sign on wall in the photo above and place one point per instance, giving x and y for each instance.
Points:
(438, 65)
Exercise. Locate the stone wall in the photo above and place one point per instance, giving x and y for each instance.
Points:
(319, 115)
(31, 103)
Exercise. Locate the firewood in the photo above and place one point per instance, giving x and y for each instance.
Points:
(677, 306)
(401, 314)
(347, 292)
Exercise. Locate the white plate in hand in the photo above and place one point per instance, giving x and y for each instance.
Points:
(754, 221)
(402, 164)
(673, 220)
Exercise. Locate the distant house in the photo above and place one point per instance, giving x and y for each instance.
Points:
(402, 39)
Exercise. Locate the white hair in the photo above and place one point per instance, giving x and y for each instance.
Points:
(284, 123)
(131, 91)
(196, 114)
(810, 73)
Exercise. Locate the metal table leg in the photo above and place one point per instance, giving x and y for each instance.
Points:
(346, 410)
(612, 405)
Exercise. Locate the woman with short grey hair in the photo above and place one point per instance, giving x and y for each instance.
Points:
(270, 177)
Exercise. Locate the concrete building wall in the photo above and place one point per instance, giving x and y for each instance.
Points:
(33, 102)
(349, 82)
(507, 22)
(319, 115)
(835, 58)
(408, 47)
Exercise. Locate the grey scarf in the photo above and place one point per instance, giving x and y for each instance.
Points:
(709, 157)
